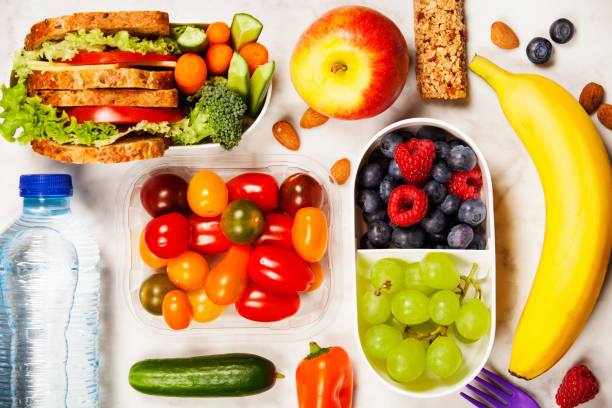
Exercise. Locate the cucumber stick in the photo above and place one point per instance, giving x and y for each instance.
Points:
(245, 29)
(223, 375)
(260, 83)
(238, 75)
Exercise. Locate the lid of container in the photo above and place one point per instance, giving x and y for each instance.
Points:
(36, 185)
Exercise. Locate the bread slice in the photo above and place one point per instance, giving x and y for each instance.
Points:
(124, 150)
(160, 98)
(139, 23)
(104, 78)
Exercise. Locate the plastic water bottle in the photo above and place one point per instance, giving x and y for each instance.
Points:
(49, 296)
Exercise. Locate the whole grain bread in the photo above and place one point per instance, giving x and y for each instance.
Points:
(124, 150)
(104, 78)
(139, 23)
(159, 98)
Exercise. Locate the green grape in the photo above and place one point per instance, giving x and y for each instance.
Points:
(406, 361)
(444, 357)
(393, 322)
(374, 307)
(388, 275)
(410, 306)
(423, 328)
(414, 280)
(380, 339)
(473, 320)
(439, 271)
(452, 331)
(444, 306)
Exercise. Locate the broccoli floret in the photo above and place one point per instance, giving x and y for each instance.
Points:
(218, 113)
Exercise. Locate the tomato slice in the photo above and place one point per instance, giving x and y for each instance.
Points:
(124, 114)
(115, 57)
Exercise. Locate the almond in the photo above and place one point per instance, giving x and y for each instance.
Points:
(341, 170)
(312, 118)
(503, 36)
(604, 114)
(591, 97)
(286, 135)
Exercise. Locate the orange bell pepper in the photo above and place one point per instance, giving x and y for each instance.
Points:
(325, 378)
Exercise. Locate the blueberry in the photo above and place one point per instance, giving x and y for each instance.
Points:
(478, 242)
(455, 142)
(460, 236)
(561, 31)
(389, 142)
(406, 134)
(441, 172)
(472, 212)
(369, 201)
(435, 191)
(434, 222)
(378, 215)
(442, 149)
(379, 233)
(364, 242)
(461, 158)
(387, 185)
(408, 237)
(451, 204)
(441, 246)
(438, 238)
(370, 175)
(394, 170)
(432, 133)
(378, 157)
(539, 50)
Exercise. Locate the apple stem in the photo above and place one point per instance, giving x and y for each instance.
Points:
(338, 67)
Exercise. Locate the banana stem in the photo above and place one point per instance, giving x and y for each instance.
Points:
(488, 71)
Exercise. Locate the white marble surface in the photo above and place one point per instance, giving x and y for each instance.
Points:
(519, 204)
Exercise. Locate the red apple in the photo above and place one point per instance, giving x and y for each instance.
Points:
(351, 63)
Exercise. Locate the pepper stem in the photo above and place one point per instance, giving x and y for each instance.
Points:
(316, 351)
(279, 376)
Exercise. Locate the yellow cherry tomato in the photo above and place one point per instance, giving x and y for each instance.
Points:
(204, 310)
(147, 256)
(317, 271)
(188, 271)
(309, 233)
(207, 194)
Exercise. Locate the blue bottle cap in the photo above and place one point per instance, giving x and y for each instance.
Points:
(38, 185)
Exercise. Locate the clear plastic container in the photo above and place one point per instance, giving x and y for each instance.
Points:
(476, 354)
(317, 308)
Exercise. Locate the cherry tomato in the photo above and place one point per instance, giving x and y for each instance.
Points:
(317, 271)
(163, 194)
(279, 270)
(147, 256)
(207, 194)
(242, 222)
(168, 236)
(300, 190)
(207, 237)
(260, 188)
(261, 305)
(152, 292)
(228, 279)
(176, 310)
(277, 231)
(188, 271)
(309, 233)
(204, 310)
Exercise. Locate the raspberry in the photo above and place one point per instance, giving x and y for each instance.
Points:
(466, 184)
(414, 159)
(579, 385)
(407, 205)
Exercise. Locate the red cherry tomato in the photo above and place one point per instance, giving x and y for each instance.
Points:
(261, 305)
(163, 194)
(206, 235)
(277, 231)
(168, 236)
(300, 190)
(279, 270)
(260, 188)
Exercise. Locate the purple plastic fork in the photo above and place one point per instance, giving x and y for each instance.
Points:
(508, 396)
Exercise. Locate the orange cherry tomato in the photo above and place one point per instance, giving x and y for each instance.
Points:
(148, 257)
(177, 310)
(207, 194)
(204, 310)
(309, 233)
(188, 271)
(229, 278)
(317, 271)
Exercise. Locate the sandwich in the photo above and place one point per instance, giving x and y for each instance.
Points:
(100, 87)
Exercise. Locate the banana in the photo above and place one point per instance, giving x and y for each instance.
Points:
(576, 176)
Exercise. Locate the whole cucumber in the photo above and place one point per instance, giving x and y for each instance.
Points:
(223, 375)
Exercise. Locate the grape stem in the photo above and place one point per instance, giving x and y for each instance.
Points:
(439, 331)
(385, 285)
(470, 280)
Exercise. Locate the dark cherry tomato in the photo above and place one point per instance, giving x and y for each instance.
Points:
(152, 292)
(163, 194)
(261, 305)
(242, 222)
(300, 190)
(260, 188)
(279, 270)
(168, 236)
(277, 231)
(207, 237)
